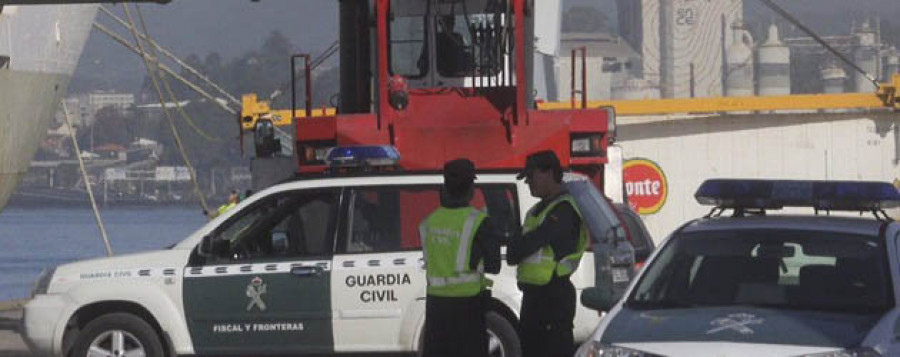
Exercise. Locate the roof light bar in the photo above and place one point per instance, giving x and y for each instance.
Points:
(362, 156)
(820, 195)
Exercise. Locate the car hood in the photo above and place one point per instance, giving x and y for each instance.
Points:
(739, 325)
(150, 259)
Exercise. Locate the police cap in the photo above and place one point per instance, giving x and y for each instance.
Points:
(459, 172)
(543, 160)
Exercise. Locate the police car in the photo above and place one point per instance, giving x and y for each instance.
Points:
(326, 266)
(752, 284)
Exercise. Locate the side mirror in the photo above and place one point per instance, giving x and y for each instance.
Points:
(613, 269)
(211, 246)
(600, 299)
(205, 249)
(897, 330)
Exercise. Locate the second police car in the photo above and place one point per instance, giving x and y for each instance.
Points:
(753, 284)
(330, 265)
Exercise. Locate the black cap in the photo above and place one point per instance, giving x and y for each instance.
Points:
(459, 172)
(544, 160)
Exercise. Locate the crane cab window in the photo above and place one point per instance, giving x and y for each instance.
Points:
(407, 34)
(455, 39)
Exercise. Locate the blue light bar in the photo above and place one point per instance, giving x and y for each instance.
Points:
(362, 156)
(775, 194)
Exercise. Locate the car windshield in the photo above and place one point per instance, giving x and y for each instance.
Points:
(784, 269)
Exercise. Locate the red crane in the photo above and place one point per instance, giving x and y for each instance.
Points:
(444, 79)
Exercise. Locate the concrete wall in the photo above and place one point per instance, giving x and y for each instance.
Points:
(599, 83)
(690, 149)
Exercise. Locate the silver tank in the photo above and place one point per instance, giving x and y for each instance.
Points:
(39, 49)
(739, 62)
(866, 56)
(833, 78)
(891, 64)
(774, 65)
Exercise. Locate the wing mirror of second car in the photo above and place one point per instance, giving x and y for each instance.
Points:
(897, 329)
(599, 298)
(613, 270)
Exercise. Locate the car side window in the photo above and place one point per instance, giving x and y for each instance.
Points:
(387, 218)
(292, 224)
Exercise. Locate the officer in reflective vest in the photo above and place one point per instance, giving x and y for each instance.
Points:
(460, 247)
(547, 252)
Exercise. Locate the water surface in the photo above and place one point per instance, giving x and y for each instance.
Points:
(34, 239)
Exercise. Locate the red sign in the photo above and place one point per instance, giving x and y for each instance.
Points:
(645, 185)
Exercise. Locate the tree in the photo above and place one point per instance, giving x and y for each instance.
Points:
(109, 127)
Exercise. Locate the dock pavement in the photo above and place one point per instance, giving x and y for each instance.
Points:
(11, 344)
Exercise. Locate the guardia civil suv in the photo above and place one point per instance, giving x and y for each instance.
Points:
(744, 281)
(324, 266)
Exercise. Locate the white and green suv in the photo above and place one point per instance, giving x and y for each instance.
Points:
(313, 266)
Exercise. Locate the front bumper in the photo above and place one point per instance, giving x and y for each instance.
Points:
(41, 324)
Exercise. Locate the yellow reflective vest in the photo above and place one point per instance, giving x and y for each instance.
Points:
(447, 238)
(538, 268)
(226, 207)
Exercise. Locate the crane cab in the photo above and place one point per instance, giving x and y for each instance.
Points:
(443, 79)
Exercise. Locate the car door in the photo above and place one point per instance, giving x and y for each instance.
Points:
(891, 329)
(379, 276)
(266, 287)
(379, 272)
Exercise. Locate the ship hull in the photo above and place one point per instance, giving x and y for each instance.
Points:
(28, 107)
(40, 46)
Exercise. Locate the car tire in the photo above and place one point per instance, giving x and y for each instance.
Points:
(118, 333)
(503, 338)
(500, 331)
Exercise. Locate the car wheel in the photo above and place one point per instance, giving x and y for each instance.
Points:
(118, 335)
(503, 341)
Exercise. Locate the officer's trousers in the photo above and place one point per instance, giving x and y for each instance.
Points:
(456, 326)
(545, 325)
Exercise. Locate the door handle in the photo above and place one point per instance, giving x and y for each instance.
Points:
(306, 271)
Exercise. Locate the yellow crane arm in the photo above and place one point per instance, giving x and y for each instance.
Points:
(253, 109)
(886, 97)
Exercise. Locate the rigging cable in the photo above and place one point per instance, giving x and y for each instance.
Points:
(165, 80)
(87, 182)
(153, 77)
(163, 67)
(790, 18)
(155, 45)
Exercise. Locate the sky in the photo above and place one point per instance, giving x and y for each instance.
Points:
(229, 27)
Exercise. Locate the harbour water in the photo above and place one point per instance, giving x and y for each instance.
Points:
(35, 239)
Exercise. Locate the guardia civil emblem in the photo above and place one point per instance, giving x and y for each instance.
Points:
(735, 322)
(255, 290)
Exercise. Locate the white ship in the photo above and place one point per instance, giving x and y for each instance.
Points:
(39, 49)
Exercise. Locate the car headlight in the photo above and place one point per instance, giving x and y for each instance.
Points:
(856, 352)
(599, 349)
(43, 282)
